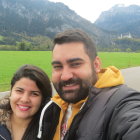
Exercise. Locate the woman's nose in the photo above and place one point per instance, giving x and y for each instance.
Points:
(25, 98)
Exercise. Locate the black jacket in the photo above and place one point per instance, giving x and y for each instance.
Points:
(4, 133)
(109, 114)
(48, 127)
(48, 121)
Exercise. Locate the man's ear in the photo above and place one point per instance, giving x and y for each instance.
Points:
(97, 64)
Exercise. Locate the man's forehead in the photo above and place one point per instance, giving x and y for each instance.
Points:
(70, 45)
(68, 50)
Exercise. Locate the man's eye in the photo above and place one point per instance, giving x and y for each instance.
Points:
(57, 67)
(75, 64)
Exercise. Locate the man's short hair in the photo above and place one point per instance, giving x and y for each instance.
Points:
(76, 35)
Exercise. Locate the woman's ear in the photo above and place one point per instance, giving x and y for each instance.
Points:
(97, 64)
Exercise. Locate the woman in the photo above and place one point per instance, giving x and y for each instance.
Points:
(20, 113)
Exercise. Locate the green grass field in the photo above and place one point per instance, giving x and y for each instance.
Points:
(10, 61)
(120, 59)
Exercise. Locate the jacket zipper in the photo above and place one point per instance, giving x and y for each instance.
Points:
(2, 137)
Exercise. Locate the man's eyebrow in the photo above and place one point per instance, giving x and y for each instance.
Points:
(55, 62)
(68, 61)
(74, 59)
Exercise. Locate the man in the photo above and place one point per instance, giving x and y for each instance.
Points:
(95, 105)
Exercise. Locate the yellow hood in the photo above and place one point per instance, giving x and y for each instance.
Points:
(107, 77)
(63, 105)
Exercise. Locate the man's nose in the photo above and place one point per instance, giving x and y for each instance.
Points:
(66, 74)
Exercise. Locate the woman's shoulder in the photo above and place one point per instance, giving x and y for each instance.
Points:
(4, 110)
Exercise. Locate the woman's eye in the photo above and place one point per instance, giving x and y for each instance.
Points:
(35, 94)
(18, 91)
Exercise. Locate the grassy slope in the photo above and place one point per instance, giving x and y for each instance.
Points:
(120, 59)
(10, 61)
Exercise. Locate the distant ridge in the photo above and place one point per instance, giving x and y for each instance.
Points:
(42, 17)
(121, 19)
(32, 24)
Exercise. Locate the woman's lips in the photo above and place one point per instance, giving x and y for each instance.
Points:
(23, 107)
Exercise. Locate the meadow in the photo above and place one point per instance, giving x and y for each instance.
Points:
(10, 61)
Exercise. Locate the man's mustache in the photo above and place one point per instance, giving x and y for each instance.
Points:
(69, 82)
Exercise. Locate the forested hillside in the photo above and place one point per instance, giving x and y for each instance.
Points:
(32, 24)
(24, 20)
(125, 22)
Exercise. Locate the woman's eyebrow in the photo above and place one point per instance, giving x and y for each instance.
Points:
(19, 88)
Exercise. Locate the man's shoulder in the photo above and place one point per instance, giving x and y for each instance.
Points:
(124, 92)
(123, 96)
(112, 97)
(119, 92)
(123, 113)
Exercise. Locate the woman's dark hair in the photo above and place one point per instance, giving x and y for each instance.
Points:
(43, 83)
(36, 74)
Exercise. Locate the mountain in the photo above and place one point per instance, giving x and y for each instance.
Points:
(121, 19)
(44, 18)
(32, 24)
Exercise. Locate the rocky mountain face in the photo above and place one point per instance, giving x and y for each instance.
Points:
(31, 24)
(42, 17)
(121, 19)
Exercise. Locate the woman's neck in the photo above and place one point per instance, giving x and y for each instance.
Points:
(18, 127)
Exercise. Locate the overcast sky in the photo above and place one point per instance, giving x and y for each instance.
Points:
(91, 9)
